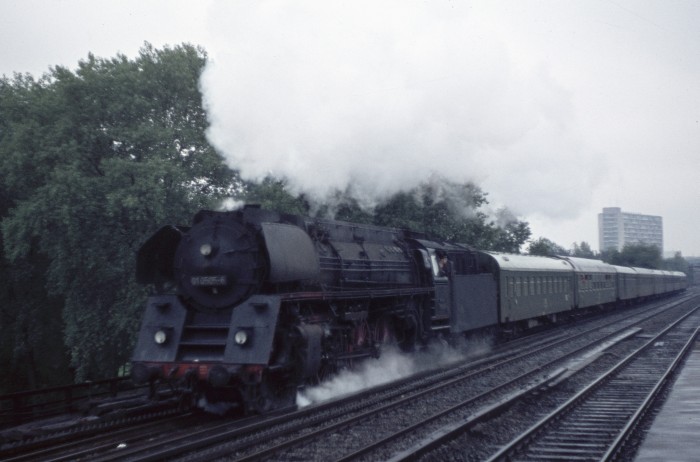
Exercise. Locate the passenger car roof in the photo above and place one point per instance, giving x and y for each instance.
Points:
(527, 262)
(589, 266)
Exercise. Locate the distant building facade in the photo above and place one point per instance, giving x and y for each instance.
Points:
(617, 228)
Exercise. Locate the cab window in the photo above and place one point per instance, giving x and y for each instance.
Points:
(435, 264)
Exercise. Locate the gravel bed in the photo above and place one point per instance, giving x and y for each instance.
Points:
(485, 439)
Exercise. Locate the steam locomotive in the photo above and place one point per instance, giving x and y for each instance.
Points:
(248, 305)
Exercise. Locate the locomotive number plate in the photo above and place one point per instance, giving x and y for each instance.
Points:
(208, 281)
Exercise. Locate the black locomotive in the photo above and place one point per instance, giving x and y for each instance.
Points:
(250, 304)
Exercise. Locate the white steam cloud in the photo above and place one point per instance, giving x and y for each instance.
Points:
(376, 97)
(392, 365)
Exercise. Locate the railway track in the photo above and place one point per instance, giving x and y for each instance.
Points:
(40, 436)
(389, 418)
(26, 406)
(440, 426)
(590, 419)
(596, 422)
(83, 447)
(382, 422)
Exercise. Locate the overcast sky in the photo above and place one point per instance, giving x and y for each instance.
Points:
(555, 108)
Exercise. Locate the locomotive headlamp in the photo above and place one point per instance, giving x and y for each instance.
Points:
(241, 337)
(160, 337)
(205, 249)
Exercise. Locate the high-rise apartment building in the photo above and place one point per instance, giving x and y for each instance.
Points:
(617, 228)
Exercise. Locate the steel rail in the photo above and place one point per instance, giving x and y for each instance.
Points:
(490, 410)
(523, 440)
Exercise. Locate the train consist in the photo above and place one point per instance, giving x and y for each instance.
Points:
(249, 305)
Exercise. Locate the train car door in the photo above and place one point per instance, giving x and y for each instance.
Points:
(441, 279)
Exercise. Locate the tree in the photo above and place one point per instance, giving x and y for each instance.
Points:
(442, 209)
(452, 212)
(677, 263)
(31, 349)
(96, 160)
(402, 210)
(638, 255)
(546, 248)
(511, 236)
(582, 251)
(272, 194)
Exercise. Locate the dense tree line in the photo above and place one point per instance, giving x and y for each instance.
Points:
(95, 160)
(638, 255)
(442, 209)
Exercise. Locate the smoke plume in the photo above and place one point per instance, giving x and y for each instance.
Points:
(375, 97)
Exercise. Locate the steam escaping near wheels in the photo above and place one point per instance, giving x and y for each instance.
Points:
(392, 365)
(219, 408)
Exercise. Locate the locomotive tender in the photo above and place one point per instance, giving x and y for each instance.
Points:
(250, 304)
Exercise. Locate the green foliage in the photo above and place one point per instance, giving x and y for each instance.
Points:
(441, 209)
(95, 160)
(28, 350)
(583, 250)
(511, 237)
(350, 210)
(272, 194)
(677, 263)
(546, 248)
(638, 255)
(448, 211)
